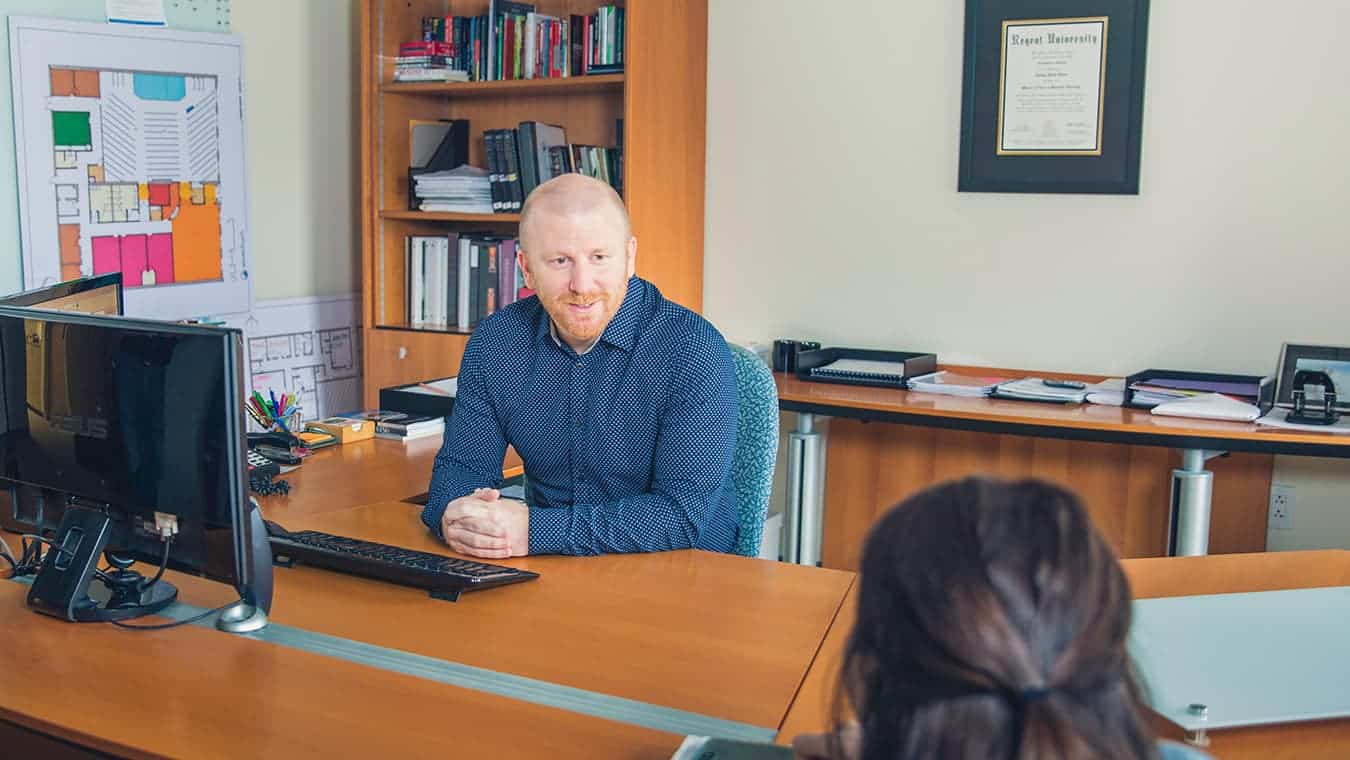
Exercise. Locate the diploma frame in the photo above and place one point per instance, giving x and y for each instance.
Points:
(1111, 166)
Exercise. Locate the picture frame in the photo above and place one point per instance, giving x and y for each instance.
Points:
(1052, 96)
(1334, 360)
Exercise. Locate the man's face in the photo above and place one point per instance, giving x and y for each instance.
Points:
(579, 265)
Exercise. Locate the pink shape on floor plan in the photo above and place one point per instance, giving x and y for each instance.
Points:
(161, 257)
(107, 254)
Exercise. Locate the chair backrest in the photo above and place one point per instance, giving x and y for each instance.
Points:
(756, 446)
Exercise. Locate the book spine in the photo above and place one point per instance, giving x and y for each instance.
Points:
(475, 306)
(462, 302)
(513, 183)
(450, 246)
(494, 171)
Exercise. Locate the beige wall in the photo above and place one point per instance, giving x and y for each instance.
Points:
(300, 77)
(832, 210)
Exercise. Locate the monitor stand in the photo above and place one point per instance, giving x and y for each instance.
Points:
(64, 585)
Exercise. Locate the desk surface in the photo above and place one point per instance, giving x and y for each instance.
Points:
(365, 472)
(725, 637)
(1090, 422)
(195, 692)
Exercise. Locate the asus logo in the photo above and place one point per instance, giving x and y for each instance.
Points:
(88, 427)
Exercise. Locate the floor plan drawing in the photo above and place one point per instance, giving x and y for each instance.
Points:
(305, 347)
(129, 168)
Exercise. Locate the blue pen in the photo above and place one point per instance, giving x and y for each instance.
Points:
(276, 412)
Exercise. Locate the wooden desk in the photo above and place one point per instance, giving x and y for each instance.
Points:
(717, 635)
(1119, 460)
(373, 470)
(1151, 578)
(195, 692)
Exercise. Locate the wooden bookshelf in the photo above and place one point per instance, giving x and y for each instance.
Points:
(567, 85)
(660, 97)
(450, 216)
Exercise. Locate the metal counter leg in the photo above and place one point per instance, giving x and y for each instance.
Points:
(1192, 495)
(805, 486)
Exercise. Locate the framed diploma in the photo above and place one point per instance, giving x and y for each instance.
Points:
(1052, 96)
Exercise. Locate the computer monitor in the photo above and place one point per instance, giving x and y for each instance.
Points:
(120, 433)
(100, 294)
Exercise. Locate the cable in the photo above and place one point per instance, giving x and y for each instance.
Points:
(9, 557)
(176, 623)
(163, 563)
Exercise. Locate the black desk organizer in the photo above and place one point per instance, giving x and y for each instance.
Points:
(1265, 385)
(398, 399)
(915, 364)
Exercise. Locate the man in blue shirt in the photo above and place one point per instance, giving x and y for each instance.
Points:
(621, 404)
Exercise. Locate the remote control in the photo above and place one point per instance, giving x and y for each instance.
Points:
(1070, 384)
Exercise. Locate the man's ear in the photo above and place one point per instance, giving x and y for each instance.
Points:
(523, 264)
(632, 255)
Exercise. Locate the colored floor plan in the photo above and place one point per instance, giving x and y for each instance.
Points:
(136, 160)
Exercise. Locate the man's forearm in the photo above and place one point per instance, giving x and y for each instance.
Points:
(649, 522)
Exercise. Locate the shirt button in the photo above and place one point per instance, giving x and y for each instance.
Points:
(580, 423)
(579, 364)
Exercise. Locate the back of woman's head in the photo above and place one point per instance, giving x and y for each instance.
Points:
(992, 623)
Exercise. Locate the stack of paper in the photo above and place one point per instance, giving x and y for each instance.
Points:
(1110, 392)
(1035, 389)
(465, 189)
(952, 384)
(1211, 406)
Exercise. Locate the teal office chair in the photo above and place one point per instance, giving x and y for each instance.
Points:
(756, 446)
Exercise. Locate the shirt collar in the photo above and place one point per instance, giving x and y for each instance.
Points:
(621, 332)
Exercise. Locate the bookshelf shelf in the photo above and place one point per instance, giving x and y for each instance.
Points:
(405, 327)
(447, 216)
(560, 86)
(657, 105)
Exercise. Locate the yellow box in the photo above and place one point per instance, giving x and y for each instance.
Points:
(344, 429)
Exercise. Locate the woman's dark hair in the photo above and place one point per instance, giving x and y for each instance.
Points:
(992, 623)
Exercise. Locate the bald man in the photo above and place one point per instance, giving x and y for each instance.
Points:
(621, 404)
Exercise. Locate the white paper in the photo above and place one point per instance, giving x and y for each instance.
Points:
(130, 152)
(307, 347)
(1050, 97)
(1277, 418)
(1212, 406)
(144, 12)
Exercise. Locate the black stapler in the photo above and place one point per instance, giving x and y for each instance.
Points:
(1314, 399)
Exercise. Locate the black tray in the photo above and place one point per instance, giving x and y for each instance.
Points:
(915, 364)
(1265, 385)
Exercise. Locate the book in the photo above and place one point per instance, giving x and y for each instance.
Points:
(390, 435)
(409, 424)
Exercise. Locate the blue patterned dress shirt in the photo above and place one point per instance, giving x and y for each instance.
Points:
(627, 448)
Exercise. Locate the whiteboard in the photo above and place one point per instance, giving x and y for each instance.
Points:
(130, 151)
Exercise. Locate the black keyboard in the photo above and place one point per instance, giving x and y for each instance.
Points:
(445, 577)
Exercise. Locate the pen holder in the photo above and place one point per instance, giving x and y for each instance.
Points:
(294, 422)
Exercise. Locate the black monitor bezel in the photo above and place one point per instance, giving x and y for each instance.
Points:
(36, 297)
(232, 346)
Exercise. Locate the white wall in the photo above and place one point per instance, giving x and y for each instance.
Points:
(300, 71)
(832, 210)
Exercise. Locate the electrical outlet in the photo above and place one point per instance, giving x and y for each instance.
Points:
(1281, 507)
